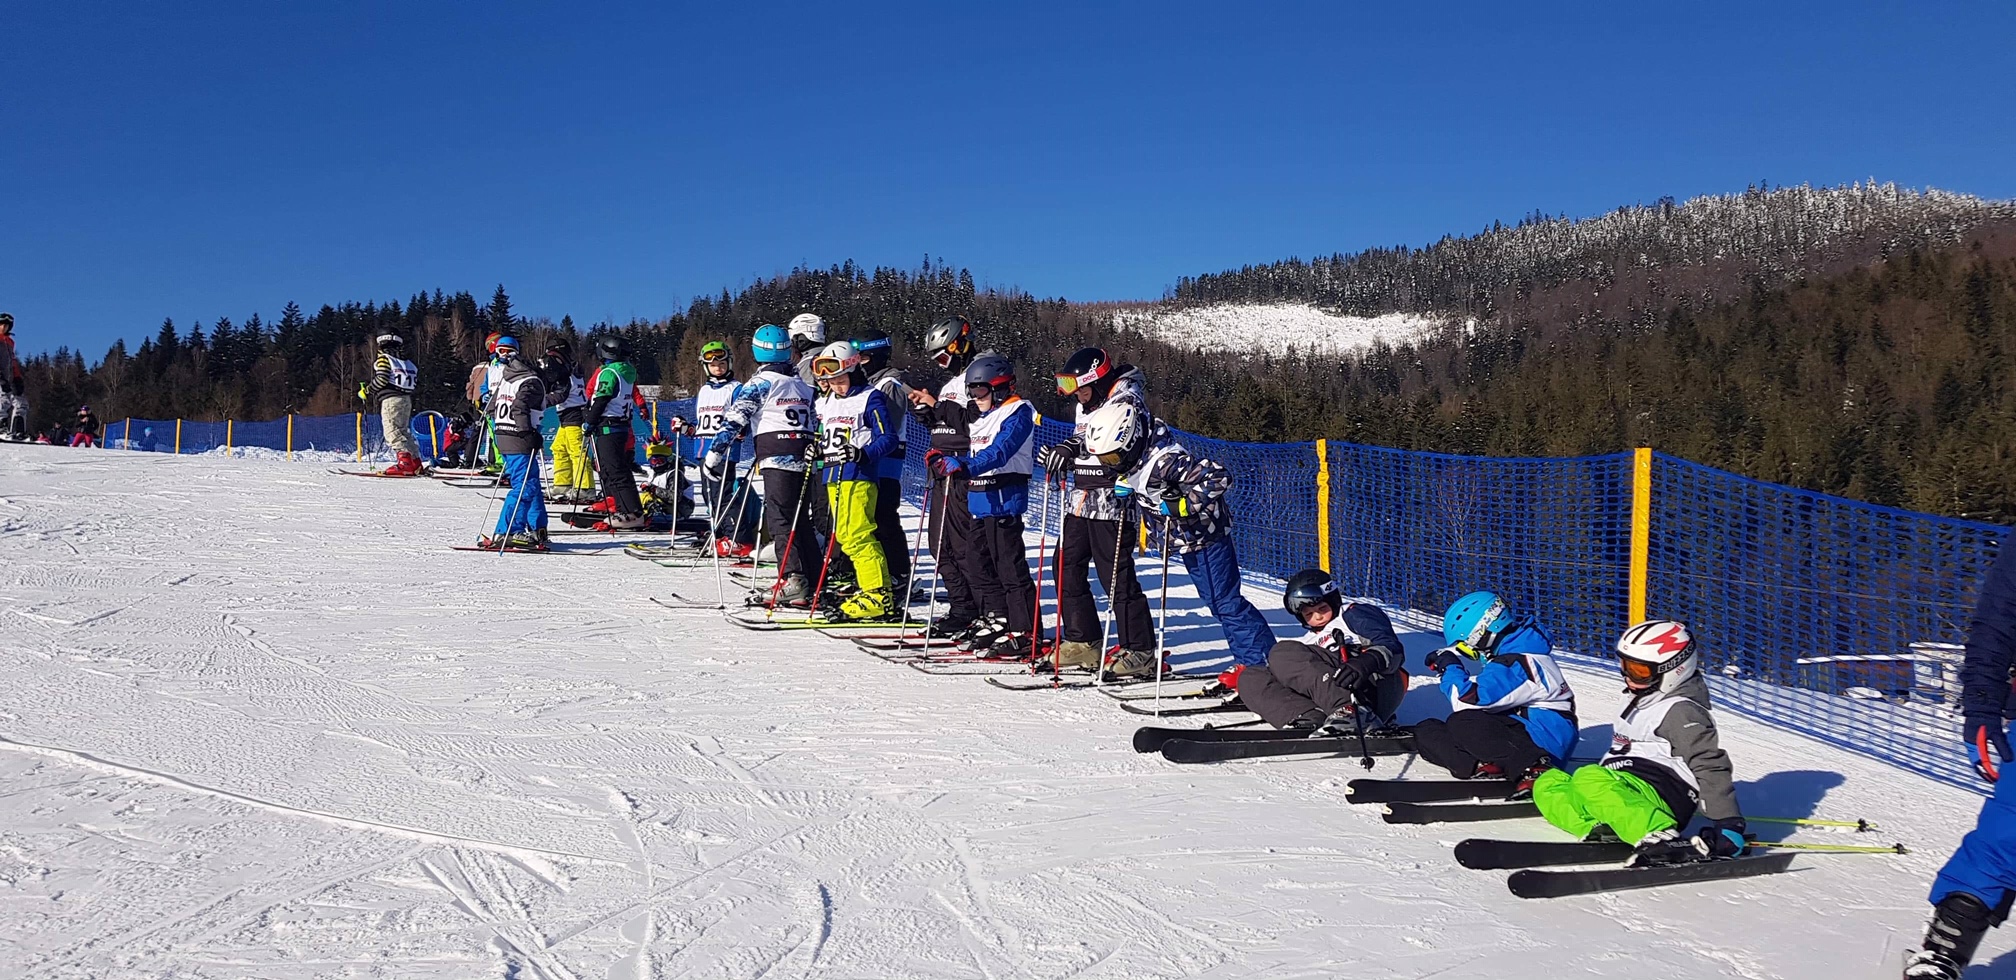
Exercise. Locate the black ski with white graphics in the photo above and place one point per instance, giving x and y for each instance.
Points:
(1426, 790)
(1151, 738)
(1043, 680)
(1457, 812)
(1184, 707)
(1484, 854)
(1188, 751)
(1559, 884)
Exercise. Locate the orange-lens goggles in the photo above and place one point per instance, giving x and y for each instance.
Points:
(714, 356)
(944, 358)
(1637, 670)
(828, 367)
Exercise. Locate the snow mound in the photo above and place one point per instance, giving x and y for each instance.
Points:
(1273, 328)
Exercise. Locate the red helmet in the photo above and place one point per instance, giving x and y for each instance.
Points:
(490, 342)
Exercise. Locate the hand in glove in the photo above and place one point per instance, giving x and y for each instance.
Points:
(1122, 489)
(1986, 731)
(1722, 839)
(1058, 459)
(363, 391)
(1353, 673)
(943, 464)
(714, 460)
(679, 426)
(1444, 659)
(843, 453)
(1170, 501)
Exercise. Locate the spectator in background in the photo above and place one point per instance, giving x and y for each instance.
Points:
(87, 428)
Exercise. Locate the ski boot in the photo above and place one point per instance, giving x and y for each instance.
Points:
(1226, 684)
(1958, 923)
(1075, 653)
(948, 626)
(523, 541)
(622, 522)
(491, 542)
(606, 505)
(1012, 647)
(865, 606)
(1128, 665)
(729, 548)
(982, 633)
(796, 593)
(1663, 848)
(1522, 788)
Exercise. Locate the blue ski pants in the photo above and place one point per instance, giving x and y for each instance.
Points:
(1214, 569)
(1985, 864)
(525, 506)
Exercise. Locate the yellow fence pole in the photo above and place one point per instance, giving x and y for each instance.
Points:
(1641, 530)
(1323, 504)
(129, 433)
(178, 437)
(290, 436)
(360, 437)
(434, 434)
(227, 437)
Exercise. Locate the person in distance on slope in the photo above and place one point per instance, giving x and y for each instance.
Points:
(493, 375)
(13, 386)
(1002, 430)
(567, 395)
(856, 430)
(1097, 528)
(87, 428)
(1977, 885)
(1182, 498)
(874, 346)
(1515, 717)
(517, 403)
(612, 398)
(1664, 760)
(390, 391)
(949, 344)
(775, 409)
(1349, 658)
(732, 509)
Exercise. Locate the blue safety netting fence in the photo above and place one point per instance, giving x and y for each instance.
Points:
(1837, 619)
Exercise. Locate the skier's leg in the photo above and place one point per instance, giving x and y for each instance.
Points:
(1075, 550)
(1011, 566)
(1985, 864)
(512, 510)
(1437, 745)
(980, 555)
(889, 530)
(1135, 626)
(1275, 702)
(1594, 795)
(1498, 739)
(613, 455)
(951, 527)
(399, 427)
(1214, 569)
(566, 456)
(854, 516)
(747, 519)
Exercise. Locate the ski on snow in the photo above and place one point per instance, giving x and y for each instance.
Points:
(1560, 884)
(1189, 751)
(674, 600)
(1400, 812)
(1426, 790)
(1151, 738)
(1223, 706)
(1483, 854)
(375, 473)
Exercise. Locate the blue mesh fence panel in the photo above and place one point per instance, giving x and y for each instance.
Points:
(1552, 536)
(1810, 606)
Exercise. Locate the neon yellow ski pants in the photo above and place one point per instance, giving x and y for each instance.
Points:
(1595, 795)
(852, 503)
(570, 459)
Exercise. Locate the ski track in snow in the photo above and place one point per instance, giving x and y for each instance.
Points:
(260, 722)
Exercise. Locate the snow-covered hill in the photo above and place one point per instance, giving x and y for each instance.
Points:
(1271, 328)
(258, 721)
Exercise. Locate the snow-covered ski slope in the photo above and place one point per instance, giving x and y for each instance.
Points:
(1272, 328)
(260, 722)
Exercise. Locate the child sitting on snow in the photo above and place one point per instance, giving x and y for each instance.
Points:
(1349, 657)
(1515, 717)
(1664, 761)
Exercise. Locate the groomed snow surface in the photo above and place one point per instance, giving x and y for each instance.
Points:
(1272, 328)
(260, 722)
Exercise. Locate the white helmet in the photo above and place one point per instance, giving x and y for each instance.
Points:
(1115, 432)
(1657, 654)
(809, 327)
(837, 358)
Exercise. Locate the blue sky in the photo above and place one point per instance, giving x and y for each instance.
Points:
(198, 159)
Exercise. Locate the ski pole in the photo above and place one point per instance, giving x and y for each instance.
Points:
(1162, 616)
(826, 563)
(1042, 551)
(734, 504)
(1831, 848)
(1858, 826)
(1111, 623)
(1357, 716)
(790, 541)
(916, 549)
(937, 557)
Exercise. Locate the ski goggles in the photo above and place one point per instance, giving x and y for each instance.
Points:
(1644, 671)
(824, 368)
(977, 392)
(943, 358)
(1114, 458)
(1070, 383)
(718, 355)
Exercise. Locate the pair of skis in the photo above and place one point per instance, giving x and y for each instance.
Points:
(1189, 746)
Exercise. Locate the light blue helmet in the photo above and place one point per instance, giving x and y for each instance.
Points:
(1474, 623)
(772, 345)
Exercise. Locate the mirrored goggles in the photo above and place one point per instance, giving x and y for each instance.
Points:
(977, 392)
(1068, 384)
(716, 356)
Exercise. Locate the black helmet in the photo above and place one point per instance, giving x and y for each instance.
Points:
(948, 340)
(1309, 587)
(992, 370)
(559, 347)
(874, 347)
(612, 348)
(1086, 368)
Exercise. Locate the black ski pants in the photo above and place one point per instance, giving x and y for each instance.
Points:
(612, 463)
(784, 516)
(1299, 683)
(1109, 546)
(951, 543)
(1467, 738)
(1011, 594)
(889, 528)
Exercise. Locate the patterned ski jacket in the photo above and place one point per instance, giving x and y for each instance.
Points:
(1194, 519)
(1092, 495)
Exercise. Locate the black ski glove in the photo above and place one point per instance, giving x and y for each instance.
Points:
(1057, 459)
(1722, 838)
(1986, 731)
(1353, 673)
(1444, 659)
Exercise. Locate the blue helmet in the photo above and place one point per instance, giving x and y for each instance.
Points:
(772, 345)
(1474, 623)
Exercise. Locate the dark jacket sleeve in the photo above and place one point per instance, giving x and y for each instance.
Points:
(598, 402)
(1371, 622)
(1991, 640)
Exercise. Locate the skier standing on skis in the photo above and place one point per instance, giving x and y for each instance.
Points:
(612, 398)
(1350, 658)
(1097, 529)
(731, 506)
(567, 395)
(1977, 885)
(808, 339)
(949, 344)
(1664, 763)
(13, 386)
(517, 403)
(1182, 498)
(856, 430)
(390, 391)
(1515, 717)
(874, 346)
(776, 409)
(1002, 430)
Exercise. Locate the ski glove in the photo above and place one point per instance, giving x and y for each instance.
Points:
(1122, 489)
(943, 464)
(1170, 501)
(845, 452)
(1057, 459)
(1984, 731)
(1444, 659)
(1722, 839)
(714, 460)
(679, 426)
(1353, 674)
